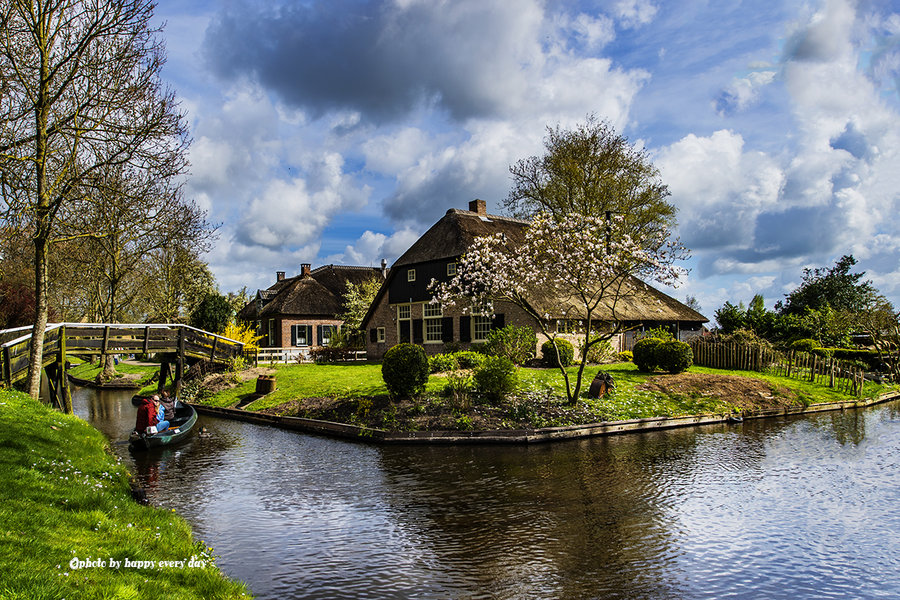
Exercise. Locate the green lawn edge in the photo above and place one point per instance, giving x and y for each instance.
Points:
(65, 497)
(355, 381)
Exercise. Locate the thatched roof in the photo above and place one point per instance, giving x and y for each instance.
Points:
(317, 293)
(635, 301)
(454, 233)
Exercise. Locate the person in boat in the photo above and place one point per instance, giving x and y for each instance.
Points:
(161, 422)
(148, 416)
(168, 404)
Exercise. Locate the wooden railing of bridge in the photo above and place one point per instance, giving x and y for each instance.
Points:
(180, 342)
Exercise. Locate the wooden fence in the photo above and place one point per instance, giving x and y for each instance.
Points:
(845, 377)
(296, 354)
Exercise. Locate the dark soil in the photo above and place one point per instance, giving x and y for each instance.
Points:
(746, 393)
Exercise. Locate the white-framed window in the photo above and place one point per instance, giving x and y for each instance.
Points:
(433, 314)
(379, 335)
(403, 311)
(301, 335)
(481, 327)
(451, 269)
(411, 275)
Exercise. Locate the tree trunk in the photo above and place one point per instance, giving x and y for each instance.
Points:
(109, 368)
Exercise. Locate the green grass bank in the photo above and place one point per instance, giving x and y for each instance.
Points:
(69, 527)
(355, 394)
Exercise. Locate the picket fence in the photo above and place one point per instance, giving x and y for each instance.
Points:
(845, 377)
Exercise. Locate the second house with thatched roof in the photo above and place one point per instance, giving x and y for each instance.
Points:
(301, 312)
(403, 311)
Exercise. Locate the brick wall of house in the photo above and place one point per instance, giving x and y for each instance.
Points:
(283, 331)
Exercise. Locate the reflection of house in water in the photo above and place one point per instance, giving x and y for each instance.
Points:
(403, 312)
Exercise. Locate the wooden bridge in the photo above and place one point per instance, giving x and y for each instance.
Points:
(176, 344)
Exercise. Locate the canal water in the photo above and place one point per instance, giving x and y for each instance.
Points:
(785, 508)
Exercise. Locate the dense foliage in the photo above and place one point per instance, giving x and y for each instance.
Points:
(212, 314)
(644, 353)
(496, 378)
(439, 363)
(559, 356)
(405, 371)
(518, 344)
(674, 356)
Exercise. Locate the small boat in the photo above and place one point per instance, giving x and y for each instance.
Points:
(179, 428)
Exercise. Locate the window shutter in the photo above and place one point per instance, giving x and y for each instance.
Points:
(465, 329)
(418, 331)
(373, 335)
(319, 330)
(498, 322)
(447, 329)
(309, 339)
(293, 335)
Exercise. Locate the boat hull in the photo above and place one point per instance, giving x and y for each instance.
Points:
(179, 429)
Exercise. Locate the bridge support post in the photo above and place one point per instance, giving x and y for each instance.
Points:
(179, 361)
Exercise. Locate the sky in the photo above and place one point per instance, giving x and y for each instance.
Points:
(338, 131)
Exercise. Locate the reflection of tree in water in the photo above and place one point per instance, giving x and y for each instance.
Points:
(564, 520)
(848, 426)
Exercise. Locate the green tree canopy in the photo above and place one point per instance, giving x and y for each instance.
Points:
(836, 287)
(212, 314)
(592, 170)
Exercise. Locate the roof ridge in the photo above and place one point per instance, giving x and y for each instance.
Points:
(469, 213)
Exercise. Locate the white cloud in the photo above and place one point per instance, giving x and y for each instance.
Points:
(371, 247)
(634, 13)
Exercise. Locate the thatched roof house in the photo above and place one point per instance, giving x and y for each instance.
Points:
(302, 311)
(402, 310)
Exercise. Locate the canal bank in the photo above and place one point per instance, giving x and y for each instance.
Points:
(521, 436)
(69, 527)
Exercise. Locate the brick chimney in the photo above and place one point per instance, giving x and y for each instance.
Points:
(478, 206)
(383, 268)
(304, 269)
(279, 276)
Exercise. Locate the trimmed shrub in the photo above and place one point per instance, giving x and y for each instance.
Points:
(804, 345)
(625, 356)
(599, 352)
(468, 359)
(439, 363)
(405, 371)
(496, 377)
(659, 333)
(644, 352)
(566, 353)
(515, 343)
(673, 356)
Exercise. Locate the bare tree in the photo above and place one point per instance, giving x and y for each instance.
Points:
(81, 92)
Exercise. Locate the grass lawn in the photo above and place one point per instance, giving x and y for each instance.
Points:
(356, 394)
(314, 381)
(64, 497)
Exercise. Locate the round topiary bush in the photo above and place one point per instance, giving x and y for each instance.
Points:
(496, 377)
(644, 354)
(566, 353)
(673, 356)
(405, 371)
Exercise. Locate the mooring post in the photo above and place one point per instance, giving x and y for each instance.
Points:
(179, 362)
(63, 385)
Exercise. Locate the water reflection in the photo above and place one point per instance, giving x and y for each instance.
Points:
(786, 508)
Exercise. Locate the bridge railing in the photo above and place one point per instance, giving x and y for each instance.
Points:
(104, 339)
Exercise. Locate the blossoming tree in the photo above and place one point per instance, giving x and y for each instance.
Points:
(576, 267)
